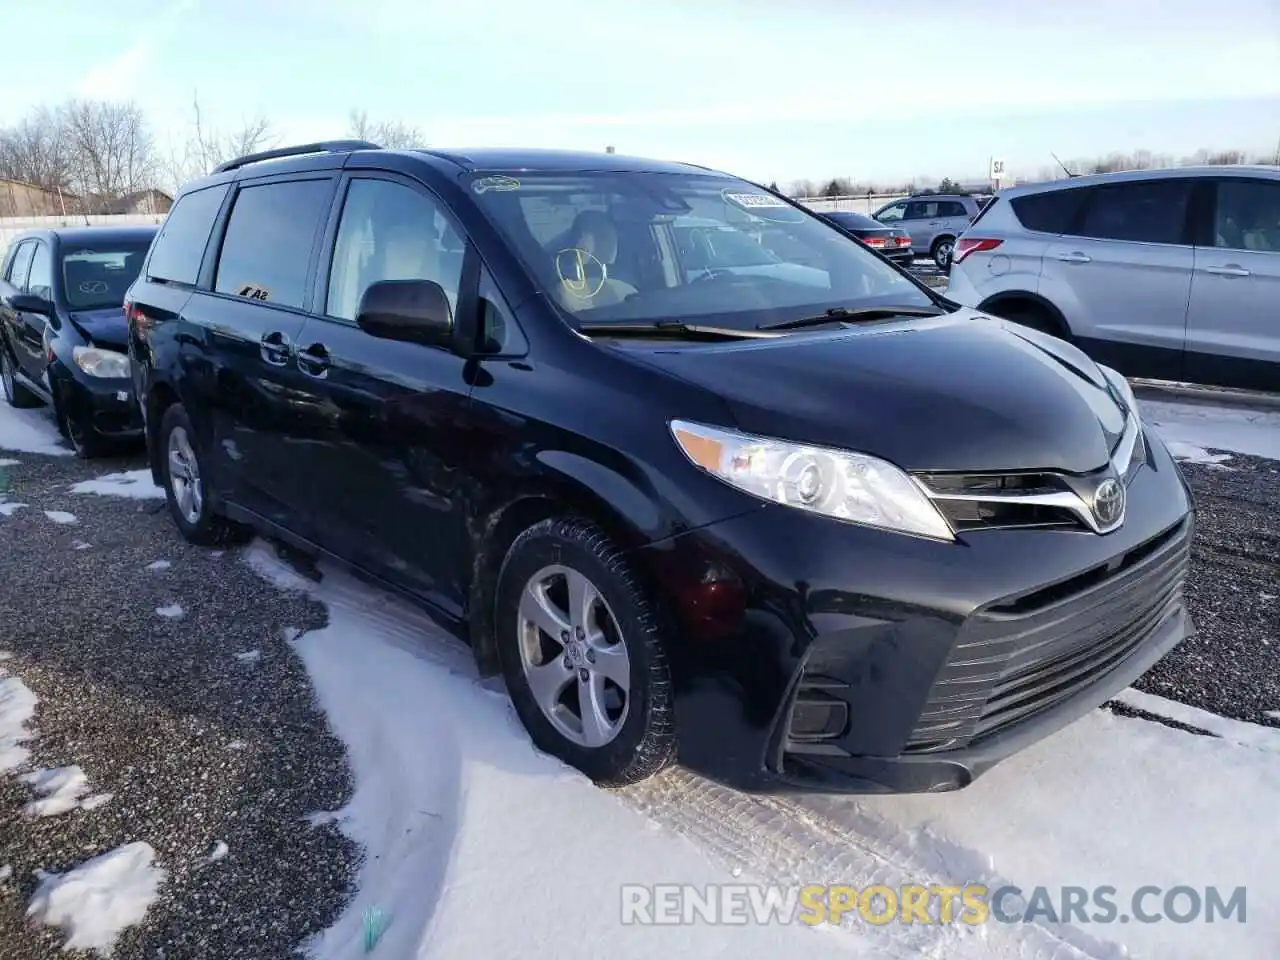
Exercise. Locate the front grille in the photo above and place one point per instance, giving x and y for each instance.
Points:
(1026, 654)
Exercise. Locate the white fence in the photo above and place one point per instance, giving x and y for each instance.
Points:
(12, 226)
(866, 203)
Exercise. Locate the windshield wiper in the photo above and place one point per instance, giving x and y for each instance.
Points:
(836, 314)
(664, 328)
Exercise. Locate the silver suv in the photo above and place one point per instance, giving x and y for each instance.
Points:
(1172, 274)
(934, 221)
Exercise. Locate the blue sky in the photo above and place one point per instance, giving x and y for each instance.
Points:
(772, 90)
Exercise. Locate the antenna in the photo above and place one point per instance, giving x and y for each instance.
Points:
(1063, 166)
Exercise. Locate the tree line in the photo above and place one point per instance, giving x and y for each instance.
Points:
(1110, 163)
(93, 153)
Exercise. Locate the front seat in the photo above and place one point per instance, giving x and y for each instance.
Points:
(584, 281)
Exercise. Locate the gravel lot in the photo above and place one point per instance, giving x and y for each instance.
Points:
(197, 745)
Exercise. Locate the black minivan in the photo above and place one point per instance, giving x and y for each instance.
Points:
(797, 522)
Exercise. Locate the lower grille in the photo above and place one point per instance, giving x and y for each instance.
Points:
(1026, 654)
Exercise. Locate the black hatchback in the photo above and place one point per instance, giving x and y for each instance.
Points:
(796, 520)
(63, 334)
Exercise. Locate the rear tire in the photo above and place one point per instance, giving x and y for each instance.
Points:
(184, 485)
(942, 250)
(559, 665)
(15, 394)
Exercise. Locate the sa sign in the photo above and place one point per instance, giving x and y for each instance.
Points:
(997, 169)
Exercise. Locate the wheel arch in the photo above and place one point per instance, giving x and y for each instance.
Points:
(1027, 302)
(160, 397)
(569, 485)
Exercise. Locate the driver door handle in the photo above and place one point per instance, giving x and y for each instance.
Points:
(1075, 256)
(314, 360)
(275, 348)
(1228, 270)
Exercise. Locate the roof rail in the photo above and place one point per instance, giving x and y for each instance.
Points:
(321, 146)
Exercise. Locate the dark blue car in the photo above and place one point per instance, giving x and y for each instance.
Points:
(63, 335)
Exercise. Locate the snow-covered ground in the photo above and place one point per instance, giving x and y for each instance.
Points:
(478, 846)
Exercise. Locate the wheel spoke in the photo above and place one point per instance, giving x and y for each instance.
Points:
(547, 682)
(183, 495)
(596, 725)
(582, 599)
(612, 663)
(538, 610)
(178, 466)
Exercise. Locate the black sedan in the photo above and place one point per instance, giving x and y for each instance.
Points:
(893, 242)
(63, 334)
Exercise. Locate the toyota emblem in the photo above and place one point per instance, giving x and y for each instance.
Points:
(1108, 502)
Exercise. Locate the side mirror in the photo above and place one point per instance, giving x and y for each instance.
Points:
(415, 311)
(30, 303)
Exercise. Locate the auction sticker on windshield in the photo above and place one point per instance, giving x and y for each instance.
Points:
(754, 201)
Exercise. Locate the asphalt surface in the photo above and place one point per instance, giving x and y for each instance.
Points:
(195, 744)
(199, 746)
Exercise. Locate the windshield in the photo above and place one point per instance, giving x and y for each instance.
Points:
(98, 277)
(643, 247)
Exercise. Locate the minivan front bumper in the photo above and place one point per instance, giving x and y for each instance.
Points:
(823, 655)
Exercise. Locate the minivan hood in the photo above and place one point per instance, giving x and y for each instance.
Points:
(962, 392)
(105, 328)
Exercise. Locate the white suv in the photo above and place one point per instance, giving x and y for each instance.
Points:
(1172, 274)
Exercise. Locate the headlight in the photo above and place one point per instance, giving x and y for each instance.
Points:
(97, 362)
(835, 483)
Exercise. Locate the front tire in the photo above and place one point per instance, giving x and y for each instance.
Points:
(86, 443)
(185, 488)
(15, 394)
(581, 652)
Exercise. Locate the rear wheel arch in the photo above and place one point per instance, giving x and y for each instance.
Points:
(1029, 309)
(160, 397)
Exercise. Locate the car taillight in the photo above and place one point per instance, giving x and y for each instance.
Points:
(873, 241)
(903, 241)
(966, 246)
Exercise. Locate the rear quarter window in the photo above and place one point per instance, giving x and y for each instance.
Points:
(1051, 212)
(179, 247)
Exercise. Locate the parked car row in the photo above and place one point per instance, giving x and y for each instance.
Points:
(1169, 274)
(697, 472)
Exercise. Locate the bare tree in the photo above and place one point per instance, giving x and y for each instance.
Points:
(36, 150)
(391, 134)
(113, 153)
(207, 146)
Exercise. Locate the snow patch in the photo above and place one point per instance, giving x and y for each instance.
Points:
(6, 872)
(1236, 731)
(220, 850)
(8, 509)
(60, 790)
(1274, 714)
(61, 516)
(9, 463)
(17, 707)
(159, 565)
(171, 611)
(451, 798)
(94, 902)
(133, 484)
(80, 545)
(236, 745)
(1204, 427)
(249, 656)
(30, 431)
(1189, 452)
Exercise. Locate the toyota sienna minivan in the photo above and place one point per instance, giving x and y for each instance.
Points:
(841, 535)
